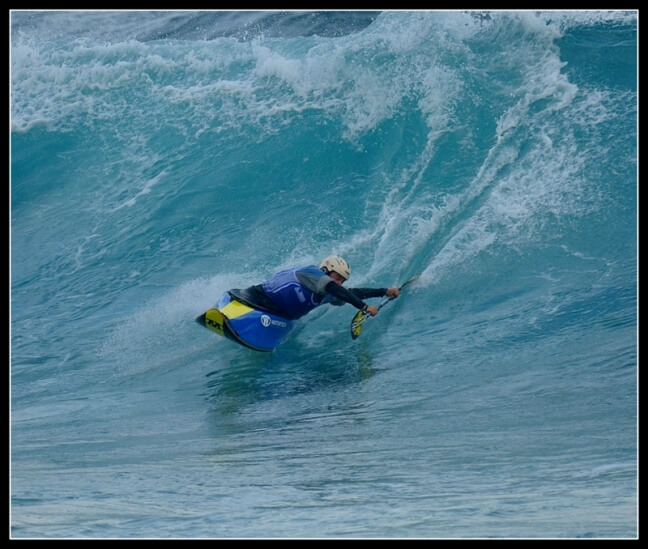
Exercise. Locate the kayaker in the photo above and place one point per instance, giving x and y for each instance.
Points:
(295, 292)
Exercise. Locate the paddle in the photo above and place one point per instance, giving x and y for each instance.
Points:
(361, 316)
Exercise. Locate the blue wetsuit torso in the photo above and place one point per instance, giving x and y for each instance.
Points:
(292, 296)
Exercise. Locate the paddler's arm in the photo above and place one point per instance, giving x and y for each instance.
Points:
(349, 296)
(353, 296)
(341, 293)
(325, 284)
(364, 293)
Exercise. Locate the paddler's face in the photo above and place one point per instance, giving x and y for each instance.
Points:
(339, 280)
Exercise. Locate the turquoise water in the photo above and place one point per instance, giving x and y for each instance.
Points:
(160, 158)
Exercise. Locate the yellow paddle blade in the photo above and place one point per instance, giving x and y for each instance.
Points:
(357, 322)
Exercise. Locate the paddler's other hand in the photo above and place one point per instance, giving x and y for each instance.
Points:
(373, 311)
(392, 292)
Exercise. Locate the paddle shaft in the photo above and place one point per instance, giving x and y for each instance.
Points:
(388, 298)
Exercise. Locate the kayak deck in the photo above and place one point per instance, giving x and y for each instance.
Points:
(254, 329)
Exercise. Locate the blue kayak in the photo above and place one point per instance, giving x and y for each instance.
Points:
(252, 328)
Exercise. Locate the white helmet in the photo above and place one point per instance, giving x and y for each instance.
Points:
(337, 264)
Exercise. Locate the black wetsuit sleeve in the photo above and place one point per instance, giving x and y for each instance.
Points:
(344, 295)
(354, 296)
(364, 293)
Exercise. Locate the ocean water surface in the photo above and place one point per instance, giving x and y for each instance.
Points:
(161, 158)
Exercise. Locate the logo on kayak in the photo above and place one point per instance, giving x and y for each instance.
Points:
(267, 321)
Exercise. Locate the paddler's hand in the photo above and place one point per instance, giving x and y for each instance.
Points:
(373, 311)
(392, 292)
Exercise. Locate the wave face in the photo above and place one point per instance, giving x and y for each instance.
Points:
(161, 158)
